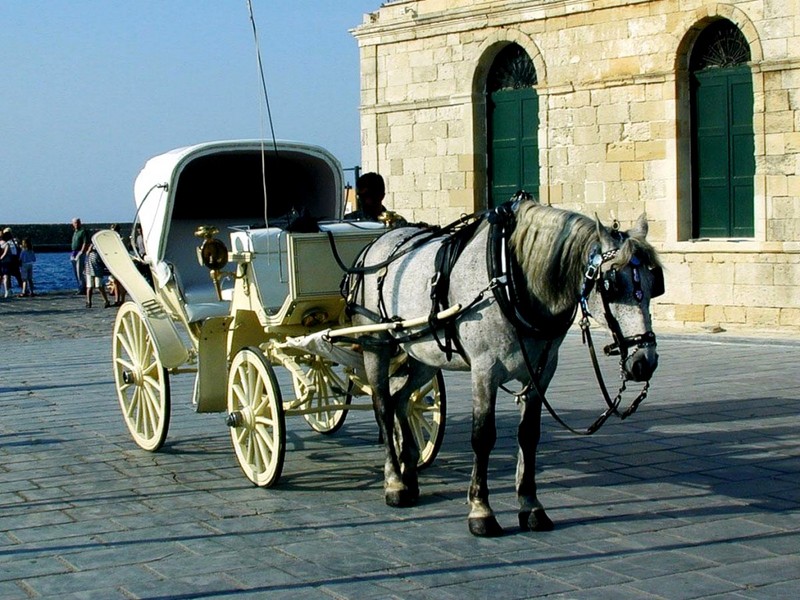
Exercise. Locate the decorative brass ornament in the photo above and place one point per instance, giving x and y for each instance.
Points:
(390, 219)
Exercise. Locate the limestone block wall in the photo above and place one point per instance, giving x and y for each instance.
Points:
(613, 135)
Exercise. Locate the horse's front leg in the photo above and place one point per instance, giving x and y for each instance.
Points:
(532, 516)
(396, 492)
(482, 521)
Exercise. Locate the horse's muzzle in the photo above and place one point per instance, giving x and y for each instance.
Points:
(641, 364)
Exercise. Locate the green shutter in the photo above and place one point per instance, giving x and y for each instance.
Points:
(723, 152)
(513, 143)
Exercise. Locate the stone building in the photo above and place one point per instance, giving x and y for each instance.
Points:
(688, 110)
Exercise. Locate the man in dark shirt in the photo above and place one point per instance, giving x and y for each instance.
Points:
(370, 191)
(79, 246)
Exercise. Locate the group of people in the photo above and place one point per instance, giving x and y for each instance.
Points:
(89, 269)
(16, 263)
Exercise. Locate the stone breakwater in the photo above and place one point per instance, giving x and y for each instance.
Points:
(55, 237)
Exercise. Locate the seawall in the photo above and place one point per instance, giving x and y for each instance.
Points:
(56, 237)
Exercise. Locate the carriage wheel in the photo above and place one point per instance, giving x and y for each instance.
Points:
(142, 381)
(255, 416)
(426, 416)
(332, 387)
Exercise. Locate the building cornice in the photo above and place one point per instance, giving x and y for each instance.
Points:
(401, 21)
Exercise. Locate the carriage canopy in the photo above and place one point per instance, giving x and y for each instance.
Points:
(224, 183)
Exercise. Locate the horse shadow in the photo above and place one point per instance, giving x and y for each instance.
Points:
(688, 461)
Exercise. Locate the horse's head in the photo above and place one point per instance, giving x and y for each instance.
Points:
(623, 274)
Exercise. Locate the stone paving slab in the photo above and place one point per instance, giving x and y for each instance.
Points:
(695, 496)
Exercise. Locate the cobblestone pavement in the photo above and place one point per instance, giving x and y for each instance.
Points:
(695, 496)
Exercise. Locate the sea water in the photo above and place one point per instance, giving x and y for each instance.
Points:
(52, 272)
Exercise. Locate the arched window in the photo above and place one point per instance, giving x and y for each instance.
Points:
(512, 106)
(723, 162)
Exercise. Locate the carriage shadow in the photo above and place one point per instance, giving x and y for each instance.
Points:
(676, 461)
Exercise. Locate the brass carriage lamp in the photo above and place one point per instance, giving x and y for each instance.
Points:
(212, 254)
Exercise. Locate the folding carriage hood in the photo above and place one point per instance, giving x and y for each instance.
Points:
(226, 180)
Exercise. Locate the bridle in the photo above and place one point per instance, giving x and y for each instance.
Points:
(608, 287)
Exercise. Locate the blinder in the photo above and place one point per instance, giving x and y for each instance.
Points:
(613, 287)
(657, 288)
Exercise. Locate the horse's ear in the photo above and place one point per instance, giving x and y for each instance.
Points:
(640, 228)
(606, 239)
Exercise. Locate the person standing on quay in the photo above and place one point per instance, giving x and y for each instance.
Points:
(8, 254)
(26, 258)
(79, 246)
(95, 269)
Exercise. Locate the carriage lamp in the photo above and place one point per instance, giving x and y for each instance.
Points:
(212, 254)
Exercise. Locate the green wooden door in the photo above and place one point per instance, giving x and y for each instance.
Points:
(513, 122)
(723, 152)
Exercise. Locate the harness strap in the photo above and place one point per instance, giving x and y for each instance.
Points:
(360, 269)
(514, 297)
(446, 257)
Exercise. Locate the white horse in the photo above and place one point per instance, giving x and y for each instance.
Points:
(503, 332)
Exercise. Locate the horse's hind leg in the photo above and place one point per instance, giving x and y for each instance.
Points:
(417, 374)
(396, 491)
(532, 516)
(482, 521)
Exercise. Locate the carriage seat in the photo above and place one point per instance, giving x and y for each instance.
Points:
(314, 272)
(192, 278)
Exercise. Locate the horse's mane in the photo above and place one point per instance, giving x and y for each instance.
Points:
(552, 247)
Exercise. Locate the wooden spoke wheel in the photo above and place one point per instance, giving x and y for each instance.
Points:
(426, 416)
(142, 381)
(255, 416)
(331, 393)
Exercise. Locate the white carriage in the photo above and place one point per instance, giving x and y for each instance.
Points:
(230, 315)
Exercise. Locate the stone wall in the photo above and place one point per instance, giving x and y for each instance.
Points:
(613, 129)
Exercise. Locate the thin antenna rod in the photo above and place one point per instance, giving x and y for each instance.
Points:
(269, 112)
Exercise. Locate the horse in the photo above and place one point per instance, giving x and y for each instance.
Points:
(562, 260)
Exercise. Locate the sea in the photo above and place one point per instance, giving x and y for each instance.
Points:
(52, 272)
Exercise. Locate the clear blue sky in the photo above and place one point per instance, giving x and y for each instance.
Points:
(93, 88)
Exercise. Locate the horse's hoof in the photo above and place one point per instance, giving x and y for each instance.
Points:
(401, 498)
(535, 521)
(485, 527)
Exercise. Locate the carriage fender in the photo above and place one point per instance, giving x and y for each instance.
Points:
(210, 388)
(170, 348)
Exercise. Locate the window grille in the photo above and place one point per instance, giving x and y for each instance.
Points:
(512, 70)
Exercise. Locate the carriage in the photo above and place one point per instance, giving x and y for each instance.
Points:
(231, 313)
(493, 293)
